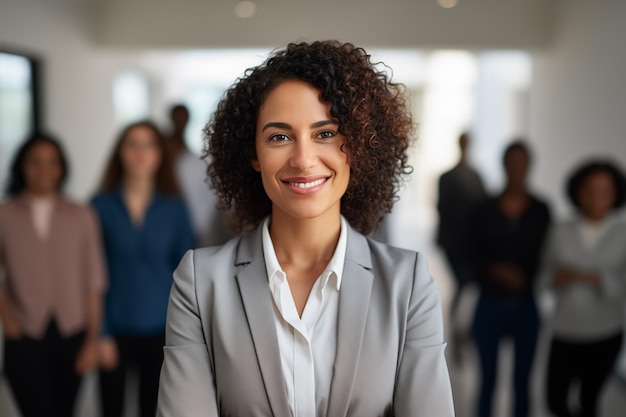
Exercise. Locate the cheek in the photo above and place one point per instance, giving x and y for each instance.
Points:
(154, 157)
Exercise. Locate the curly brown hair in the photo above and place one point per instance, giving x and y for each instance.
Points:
(371, 112)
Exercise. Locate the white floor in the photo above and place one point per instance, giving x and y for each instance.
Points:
(464, 376)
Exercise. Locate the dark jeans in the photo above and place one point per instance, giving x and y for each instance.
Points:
(41, 373)
(589, 363)
(145, 353)
(461, 272)
(495, 319)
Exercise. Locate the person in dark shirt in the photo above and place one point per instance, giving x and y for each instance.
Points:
(460, 191)
(507, 240)
(146, 231)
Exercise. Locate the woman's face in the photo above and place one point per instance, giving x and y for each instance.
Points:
(304, 170)
(516, 166)
(140, 153)
(596, 195)
(43, 169)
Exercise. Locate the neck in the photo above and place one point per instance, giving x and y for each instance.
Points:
(595, 219)
(515, 189)
(41, 194)
(304, 242)
(139, 185)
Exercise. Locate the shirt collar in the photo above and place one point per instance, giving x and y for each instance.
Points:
(333, 269)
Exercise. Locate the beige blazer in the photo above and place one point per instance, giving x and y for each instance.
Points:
(52, 277)
(221, 353)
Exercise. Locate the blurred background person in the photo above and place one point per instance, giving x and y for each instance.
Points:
(210, 225)
(586, 265)
(50, 298)
(507, 239)
(460, 191)
(146, 231)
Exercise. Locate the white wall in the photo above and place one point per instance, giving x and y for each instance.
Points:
(76, 79)
(578, 98)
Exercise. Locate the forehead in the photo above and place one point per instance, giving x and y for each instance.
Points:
(598, 176)
(42, 147)
(140, 132)
(294, 98)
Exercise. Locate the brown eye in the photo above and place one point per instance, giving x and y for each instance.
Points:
(280, 137)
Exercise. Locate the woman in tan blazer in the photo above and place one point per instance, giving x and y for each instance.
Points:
(304, 315)
(52, 264)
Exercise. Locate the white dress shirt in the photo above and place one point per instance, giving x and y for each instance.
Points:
(41, 211)
(307, 344)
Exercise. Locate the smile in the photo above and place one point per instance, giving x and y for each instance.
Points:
(307, 184)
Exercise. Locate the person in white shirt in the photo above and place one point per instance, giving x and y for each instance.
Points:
(304, 316)
(209, 224)
(586, 270)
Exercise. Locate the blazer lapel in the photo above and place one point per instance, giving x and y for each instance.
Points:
(255, 294)
(354, 298)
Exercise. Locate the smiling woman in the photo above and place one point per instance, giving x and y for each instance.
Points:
(305, 316)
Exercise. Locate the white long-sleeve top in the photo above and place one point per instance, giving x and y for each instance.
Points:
(583, 311)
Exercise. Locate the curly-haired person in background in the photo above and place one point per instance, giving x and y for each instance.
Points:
(303, 315)
(586, 270)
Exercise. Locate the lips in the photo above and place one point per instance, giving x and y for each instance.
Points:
(305, 183)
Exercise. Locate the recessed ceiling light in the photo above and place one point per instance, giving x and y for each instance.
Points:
(245, 9)
(448, 4)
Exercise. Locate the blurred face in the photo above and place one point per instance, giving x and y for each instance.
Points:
(180, 117)
(140, 153)
(43, 169)
(596, 195)
(304, 171)
(516, 166)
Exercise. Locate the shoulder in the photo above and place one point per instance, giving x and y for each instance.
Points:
(8, 206)
(76, 211)
(9, 210)
(487, 205)
(103, 199)
(386, 254)
(212, 260)
(540, 204)
(395, 267)
(171, 202)
(73, 208)
(565, 231)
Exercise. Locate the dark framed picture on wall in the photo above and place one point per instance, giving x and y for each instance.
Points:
(20, 101)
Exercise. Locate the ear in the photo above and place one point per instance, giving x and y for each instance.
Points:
(255, 165)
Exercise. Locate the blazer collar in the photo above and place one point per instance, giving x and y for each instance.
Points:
(351, 321)
(251, 248)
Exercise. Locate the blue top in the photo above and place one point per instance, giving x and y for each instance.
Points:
(140, 261)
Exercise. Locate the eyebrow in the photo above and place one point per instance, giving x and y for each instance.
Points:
(282, 125)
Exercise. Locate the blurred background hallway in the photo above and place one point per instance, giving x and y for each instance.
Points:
(549, 71)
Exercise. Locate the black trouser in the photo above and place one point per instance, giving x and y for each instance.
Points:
(41, 373)
(589, 363)
(495, 319)
(145, 353)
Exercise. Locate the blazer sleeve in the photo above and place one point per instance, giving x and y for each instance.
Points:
(186, 386)
(423, 383)
(93, 256)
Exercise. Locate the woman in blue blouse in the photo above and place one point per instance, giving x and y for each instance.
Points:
(146, 231)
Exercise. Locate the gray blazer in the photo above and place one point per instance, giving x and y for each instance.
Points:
(221, 352)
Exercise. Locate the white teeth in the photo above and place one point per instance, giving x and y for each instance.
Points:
(307, 184)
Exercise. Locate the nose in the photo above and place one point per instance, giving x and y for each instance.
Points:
(303, 155)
